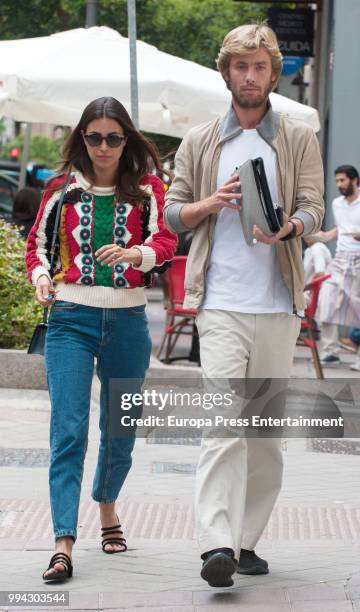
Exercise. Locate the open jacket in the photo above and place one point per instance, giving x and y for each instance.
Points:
(300, 182)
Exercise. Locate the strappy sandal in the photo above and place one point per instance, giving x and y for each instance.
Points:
(120, 541)
(65, 560)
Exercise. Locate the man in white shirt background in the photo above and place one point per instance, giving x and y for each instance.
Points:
(340, 295)
(317, 258)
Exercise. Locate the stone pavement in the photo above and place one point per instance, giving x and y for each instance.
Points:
(312, 541)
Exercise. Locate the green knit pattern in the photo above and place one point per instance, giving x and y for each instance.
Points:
(103, 234)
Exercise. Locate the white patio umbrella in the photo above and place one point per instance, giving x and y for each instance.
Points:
(51, 79)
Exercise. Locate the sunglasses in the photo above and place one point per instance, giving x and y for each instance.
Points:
(113, 140)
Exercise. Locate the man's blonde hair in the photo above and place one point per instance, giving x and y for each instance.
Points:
(247, 38)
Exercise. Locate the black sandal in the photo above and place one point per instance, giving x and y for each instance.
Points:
(67, 572)
(120, 541)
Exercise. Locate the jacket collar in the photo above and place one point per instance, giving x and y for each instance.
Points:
(267, 128)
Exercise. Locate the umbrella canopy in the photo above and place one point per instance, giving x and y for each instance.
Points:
(51, 79)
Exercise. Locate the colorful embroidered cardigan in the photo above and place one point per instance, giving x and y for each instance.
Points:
(88, 216)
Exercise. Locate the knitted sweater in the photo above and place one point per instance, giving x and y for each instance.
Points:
(90, 218)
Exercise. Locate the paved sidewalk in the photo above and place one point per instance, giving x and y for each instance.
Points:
(312, 542)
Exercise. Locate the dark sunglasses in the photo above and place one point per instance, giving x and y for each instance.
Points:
(94, 139)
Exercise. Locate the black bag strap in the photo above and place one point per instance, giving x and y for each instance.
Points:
(56, 225)
(54, 237)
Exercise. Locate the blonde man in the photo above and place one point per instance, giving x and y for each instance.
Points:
(248, 297)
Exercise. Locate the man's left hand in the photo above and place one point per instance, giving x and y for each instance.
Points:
(287, 227)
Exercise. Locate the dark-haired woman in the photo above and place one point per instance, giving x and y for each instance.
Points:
(111, 237)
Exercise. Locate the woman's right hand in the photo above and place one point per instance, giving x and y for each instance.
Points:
(44, 292)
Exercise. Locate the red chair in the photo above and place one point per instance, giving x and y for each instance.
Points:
(179, 320)
(308, 323)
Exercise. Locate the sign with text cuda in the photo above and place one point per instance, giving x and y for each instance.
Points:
(294, 29)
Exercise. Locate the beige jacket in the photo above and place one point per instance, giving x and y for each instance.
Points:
(300, 182)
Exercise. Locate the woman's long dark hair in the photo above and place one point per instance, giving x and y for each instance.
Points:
(139, 157)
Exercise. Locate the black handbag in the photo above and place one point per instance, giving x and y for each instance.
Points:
(37, 342)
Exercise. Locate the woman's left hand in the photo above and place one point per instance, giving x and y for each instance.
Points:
(112, 254)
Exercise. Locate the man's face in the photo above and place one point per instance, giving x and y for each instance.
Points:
(345, 185)
(250, 78)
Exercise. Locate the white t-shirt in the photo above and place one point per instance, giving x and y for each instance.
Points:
(347, 221)
(317, 258)
(242, 278)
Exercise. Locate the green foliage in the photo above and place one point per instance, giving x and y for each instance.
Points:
(39, 18)
(19, 313)
(191, 30)
(43, 150)
(188, 29)
(165, 144)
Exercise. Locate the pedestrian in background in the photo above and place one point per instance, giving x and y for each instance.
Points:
(317, 258)
(111, 237)
(339, 301)
(25, 209)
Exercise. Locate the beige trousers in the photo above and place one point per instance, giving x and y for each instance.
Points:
(238, 479)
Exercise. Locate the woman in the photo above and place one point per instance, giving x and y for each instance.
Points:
(111, 236)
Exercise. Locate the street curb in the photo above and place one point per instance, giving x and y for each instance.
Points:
(19, 370)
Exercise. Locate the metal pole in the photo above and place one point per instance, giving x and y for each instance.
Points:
(91, 13)
(322, 72)
(25, 156)
(133, 63)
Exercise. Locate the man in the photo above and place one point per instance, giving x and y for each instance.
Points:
(340, 294)
(247, 297)
(317, 258)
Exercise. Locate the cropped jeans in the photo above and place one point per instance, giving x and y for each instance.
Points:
(119, 339)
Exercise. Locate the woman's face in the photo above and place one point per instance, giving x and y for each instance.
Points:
(103, 156)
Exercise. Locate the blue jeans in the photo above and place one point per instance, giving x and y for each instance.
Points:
(355, 335)
(119, 339)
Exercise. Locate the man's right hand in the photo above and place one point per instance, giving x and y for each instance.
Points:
(193, 214)
(44, 289)
(223, 196)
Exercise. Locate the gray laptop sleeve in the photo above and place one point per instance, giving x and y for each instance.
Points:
(253, 209)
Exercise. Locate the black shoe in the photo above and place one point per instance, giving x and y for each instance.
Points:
(61, 559)
(251, 564)
(218, 567)
(330, 360)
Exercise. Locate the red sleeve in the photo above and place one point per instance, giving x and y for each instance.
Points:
(37, 256)
(161, 240)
